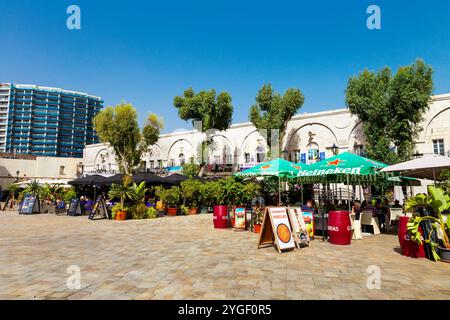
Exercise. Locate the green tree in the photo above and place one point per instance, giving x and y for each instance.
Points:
(273, 111)
(391, 108)
(214, 111)
(119, 127)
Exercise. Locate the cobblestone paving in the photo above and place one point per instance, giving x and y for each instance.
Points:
(185, 258)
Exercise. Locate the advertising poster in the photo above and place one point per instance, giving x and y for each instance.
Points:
(239, 218)
(308, 217)
(281, 228)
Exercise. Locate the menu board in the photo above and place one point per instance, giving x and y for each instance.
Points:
(74, 208)
(276, 229)
(239, 218)
(30, 205)
(299, 228)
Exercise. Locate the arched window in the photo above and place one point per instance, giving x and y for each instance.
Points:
(260, 154)
(313, 152)
(182, 159)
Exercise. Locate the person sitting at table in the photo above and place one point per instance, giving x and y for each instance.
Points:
(309, 206)
(397, 205)
(356, 208)
(380, 213)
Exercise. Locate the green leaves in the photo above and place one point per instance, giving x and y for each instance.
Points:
(273, 111)
(119, 127)
(215, 112)
(438, 200)
(391, 108)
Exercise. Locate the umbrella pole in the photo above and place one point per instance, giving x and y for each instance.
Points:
(279, 191)
(434, 177)
(348, 194)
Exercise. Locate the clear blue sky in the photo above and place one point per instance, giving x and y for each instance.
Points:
(146, 52)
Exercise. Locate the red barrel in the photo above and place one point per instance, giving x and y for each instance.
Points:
(220, 217)
(339, 228)
(409, 248)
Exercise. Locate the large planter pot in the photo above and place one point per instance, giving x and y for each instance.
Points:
(220, 217)
(408, 247)
(339, 228)
(193, 211)
(257, 228)
(444, 253)
(171, 212)
(121, 215)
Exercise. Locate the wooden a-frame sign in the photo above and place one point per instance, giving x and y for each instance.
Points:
(100, 209)
(276, 230)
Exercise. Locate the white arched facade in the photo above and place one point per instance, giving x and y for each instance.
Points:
(308, 138)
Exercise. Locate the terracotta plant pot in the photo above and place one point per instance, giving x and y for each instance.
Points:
(193, 211)
(257, 228)
(171, 212)
(121, 215)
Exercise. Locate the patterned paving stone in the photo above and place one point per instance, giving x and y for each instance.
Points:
(186, 258)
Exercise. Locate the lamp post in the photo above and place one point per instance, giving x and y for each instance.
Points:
(335, 149)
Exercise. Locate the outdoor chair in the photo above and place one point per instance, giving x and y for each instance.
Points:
(396, 213)
(367, 219)
(356, 227)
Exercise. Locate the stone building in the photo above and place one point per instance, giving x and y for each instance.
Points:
(309, 137)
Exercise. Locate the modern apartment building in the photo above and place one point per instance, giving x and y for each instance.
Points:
(45, 121)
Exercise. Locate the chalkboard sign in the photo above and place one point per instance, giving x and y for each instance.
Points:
(75, 208)
(8, 198)
(100, 209)
(30, 205)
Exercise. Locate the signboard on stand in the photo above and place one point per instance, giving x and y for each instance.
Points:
(276, 229)
(30, 205)
(75, 208)
(308, 217)
(239, 218)
(100, 210)
(299, 228)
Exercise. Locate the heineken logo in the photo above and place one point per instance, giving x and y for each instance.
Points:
(334, 163)
(316, 172)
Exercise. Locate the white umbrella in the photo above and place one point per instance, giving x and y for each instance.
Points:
(51, 182)
(427, 167)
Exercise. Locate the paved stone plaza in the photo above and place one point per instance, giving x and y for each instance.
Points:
(185, 258)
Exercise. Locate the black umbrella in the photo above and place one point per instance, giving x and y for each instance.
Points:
(177, 178)
(117, 178)
(88, 180)
(147, 177)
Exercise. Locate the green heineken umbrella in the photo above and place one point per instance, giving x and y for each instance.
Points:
(343, 167)
(277, 168)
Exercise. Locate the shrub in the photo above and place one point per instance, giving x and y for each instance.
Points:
(139, 211)
(190, 191)
(69, 195)
(151, 213)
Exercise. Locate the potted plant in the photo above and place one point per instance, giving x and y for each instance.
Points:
(259, 215)
(190, 190)
(207, 195)
(430, 209)
(171, 197)
(123, 191)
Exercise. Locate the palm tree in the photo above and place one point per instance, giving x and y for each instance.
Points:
(122, 191)
(33, 187)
